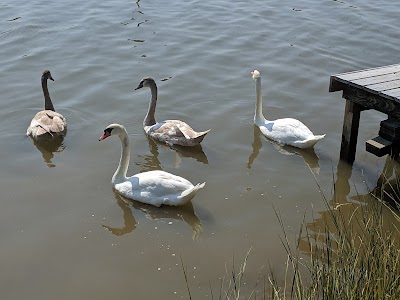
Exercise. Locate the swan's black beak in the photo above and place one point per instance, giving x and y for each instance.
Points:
(51, 78)
(139, 86)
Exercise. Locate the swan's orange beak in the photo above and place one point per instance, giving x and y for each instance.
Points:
(105, 135)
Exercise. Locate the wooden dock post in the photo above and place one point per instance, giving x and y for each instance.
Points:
(351, 124)
(378, 89)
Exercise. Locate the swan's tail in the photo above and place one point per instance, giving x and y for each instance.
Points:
(189, 193)
(310, 142)
(200, 136)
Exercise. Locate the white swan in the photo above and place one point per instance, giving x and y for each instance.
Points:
(47, 124)
(154, 187)
(171, 132)
(286, 131)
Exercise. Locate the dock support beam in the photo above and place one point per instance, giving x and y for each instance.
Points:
(377, 89)
(351, 123)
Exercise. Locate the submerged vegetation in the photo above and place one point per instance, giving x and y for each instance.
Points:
(353, 253)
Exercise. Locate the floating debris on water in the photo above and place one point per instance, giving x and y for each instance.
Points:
(14, 19)
(165, 79)
(145, 21)
(136, 41)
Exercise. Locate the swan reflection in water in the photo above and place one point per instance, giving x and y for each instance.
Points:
(48, 147)
(309, 155)
(182, 213)
(151, 162)
(195, 152)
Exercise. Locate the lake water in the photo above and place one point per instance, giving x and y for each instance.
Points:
(66, 235)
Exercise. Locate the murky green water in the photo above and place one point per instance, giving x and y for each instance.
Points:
(66, 235)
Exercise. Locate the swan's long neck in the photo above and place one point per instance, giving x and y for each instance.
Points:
(258, 116)
(150, 119)
(48, 105)
(120, 173)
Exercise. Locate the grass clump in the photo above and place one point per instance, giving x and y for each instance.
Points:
(352, 252)
(353, 256)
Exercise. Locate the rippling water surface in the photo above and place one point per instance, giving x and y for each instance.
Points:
(66, 235)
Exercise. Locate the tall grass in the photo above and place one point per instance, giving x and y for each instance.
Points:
(358, 259)
(353, 253)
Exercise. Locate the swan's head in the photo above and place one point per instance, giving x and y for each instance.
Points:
(255, 74)
(46, 75)
(146, 82)
(112, 129)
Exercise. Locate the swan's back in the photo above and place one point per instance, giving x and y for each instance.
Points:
(175, 132)
(47, 123)
(158, 188)
(289, 131)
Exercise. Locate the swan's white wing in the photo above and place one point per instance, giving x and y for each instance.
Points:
(161, 183)
(286, 130)
(154, 187)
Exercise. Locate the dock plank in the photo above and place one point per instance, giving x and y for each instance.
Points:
(377, 79)
(369, 72)
(390, 85)
(392, 93)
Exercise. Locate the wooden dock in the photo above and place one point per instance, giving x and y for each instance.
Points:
(378, 89)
